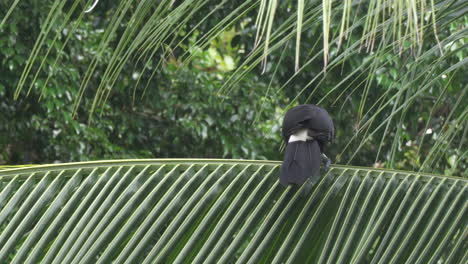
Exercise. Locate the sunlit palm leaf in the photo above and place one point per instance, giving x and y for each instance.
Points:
(226, 211)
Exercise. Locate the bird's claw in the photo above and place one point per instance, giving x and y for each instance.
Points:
(327, 163)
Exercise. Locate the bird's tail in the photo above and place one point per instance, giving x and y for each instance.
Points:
(301, 161)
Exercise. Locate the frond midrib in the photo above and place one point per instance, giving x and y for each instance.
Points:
(8, 172)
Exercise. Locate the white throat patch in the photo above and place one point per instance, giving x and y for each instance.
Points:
(300, 135)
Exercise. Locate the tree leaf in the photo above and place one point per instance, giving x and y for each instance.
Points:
(220, 211)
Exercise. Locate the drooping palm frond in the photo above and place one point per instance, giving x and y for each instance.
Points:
(421, 71)
(408, 20)
(147, 31)
(227, 211)
(401, 34)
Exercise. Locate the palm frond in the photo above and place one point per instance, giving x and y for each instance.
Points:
(190, 211)
(399, 33)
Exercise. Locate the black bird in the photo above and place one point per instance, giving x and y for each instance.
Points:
(306, 130)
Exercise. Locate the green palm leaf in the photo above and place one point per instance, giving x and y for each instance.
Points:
(227, 211)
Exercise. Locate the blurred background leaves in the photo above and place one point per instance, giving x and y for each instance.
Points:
(139, 79)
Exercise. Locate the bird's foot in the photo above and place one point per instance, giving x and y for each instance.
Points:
(327, 163)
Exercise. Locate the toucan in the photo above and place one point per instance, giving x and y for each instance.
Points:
(306, 130)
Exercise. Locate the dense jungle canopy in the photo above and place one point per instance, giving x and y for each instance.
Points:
(213, 79)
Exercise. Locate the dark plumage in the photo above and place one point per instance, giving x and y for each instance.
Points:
(306, 130)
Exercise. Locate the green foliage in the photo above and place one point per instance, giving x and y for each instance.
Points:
(383, 102)
(180, 115)
(227, 211)
(138, 78)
